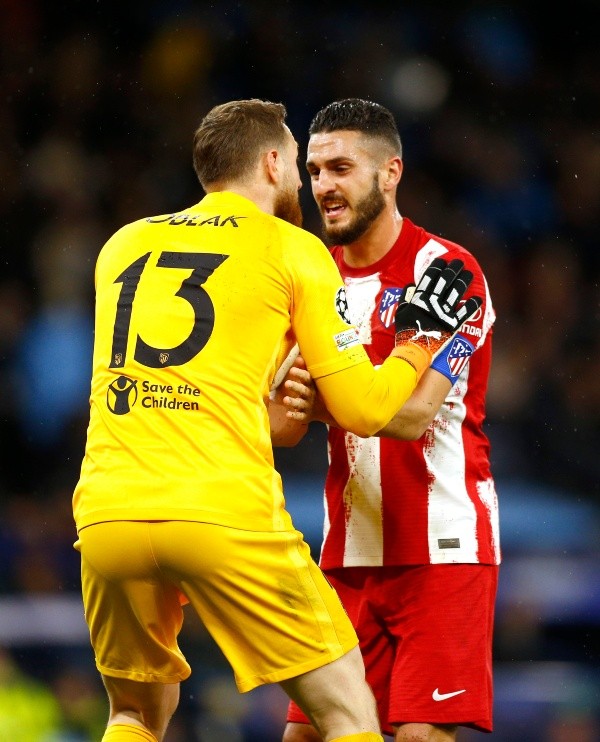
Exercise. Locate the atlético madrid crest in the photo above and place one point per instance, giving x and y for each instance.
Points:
(458, 355)
(388, 305)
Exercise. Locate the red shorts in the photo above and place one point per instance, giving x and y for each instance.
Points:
(426, 636)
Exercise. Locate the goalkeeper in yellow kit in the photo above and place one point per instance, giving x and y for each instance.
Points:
(178, 499)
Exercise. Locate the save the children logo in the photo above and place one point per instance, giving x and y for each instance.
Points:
(123, 393)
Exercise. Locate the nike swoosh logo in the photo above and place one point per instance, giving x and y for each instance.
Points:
(437, 696)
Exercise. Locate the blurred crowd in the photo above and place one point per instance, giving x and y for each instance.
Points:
(500, 120)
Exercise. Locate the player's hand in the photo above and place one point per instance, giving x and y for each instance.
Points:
(429, 315)
(303, 402)
(297, 393)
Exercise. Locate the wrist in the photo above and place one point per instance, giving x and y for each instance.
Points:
(418, 356)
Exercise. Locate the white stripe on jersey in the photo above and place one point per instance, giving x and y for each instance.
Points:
(487, 494)
(451, 514)
(361, 294)
(363, 504)
(430, 250)
(490, 314)
(362, 494)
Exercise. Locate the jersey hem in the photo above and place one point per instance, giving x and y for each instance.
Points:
(326, 565)
(194, 516)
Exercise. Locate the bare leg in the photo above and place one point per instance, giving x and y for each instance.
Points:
(295, 732)
(148, 705)
(336, 697)
(425, 733)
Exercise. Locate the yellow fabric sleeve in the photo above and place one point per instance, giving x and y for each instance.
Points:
(363, 399)
(127, 733)
(360, 737)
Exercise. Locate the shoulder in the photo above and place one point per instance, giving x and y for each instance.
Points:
(422, 239)
(294, 236)
(126, 232)
(432, 246)
(131, 228)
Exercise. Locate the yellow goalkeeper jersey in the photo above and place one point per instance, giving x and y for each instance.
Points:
(194, 312)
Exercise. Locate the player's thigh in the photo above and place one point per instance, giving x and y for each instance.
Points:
(133, 613)
(443, 667)
(361, 591)
(336, 694)
(369, 601)
(373, 600)
(260, 595)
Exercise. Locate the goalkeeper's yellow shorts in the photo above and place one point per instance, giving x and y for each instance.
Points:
(260, 595)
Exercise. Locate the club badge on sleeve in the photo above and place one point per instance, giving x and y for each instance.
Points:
(458, 355)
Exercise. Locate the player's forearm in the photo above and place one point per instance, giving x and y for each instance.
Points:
(285, 432)
(413, 419)
(362, 399)
(406, 425)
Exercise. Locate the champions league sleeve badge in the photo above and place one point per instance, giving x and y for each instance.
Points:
(341, 306)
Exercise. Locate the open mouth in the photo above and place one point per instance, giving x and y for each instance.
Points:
(333, 209)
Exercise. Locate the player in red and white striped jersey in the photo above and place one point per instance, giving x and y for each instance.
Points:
(411, 539)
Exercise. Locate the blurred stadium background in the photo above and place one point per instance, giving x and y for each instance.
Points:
(499, 110)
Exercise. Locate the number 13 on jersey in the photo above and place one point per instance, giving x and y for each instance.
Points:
(202, 265)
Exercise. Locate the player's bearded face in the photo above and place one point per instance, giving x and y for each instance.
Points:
(364, 213)
(287, 202)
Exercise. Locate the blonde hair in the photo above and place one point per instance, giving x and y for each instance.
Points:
(232, 136)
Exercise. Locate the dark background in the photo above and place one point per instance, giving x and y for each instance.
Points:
(498, 105)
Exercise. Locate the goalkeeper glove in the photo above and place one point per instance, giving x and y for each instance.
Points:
(428, 315)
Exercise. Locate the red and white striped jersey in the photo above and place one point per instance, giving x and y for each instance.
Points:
(430, 501)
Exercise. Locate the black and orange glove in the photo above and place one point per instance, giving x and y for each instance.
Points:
(428, 315)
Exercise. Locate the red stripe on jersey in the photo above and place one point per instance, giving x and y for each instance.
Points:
(337, 476)
(404, 518)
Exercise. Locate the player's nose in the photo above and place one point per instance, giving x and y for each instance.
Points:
(322, 183)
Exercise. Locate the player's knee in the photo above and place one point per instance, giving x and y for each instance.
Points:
(151, 704)
(425, 733)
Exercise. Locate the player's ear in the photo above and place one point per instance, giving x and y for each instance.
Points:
(272, 161)
(393, 173)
